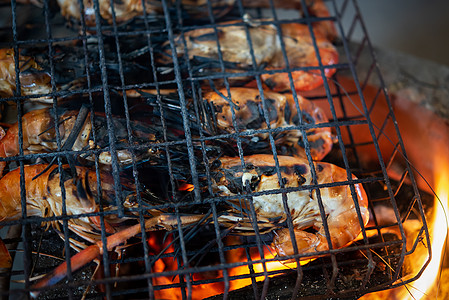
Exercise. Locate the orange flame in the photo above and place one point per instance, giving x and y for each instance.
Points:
(426, 287)
(426, 284)
(275, 265)
(186, 187)
(201, 291)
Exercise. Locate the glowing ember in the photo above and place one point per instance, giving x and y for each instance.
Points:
(186, 187)
(239, 255)
(201, 291)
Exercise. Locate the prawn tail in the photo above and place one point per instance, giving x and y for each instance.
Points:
(344, 227)
(319, 9)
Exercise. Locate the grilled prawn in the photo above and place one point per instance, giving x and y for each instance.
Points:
(315, 8)
(267, 49)
(282, 113)
(260, 176)
(129, 9)
(75, 131)
(44, 198)
(33, 80)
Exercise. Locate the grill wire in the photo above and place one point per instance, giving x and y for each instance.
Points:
(105, 54)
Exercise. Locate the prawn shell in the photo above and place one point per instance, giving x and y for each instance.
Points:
(233, 43)
(124, 10)
(267, 50)
(38, 134)
(44, 195)
(261, 176)
(282, 112)
(300, 51)
(33, 80)
(127, 10)
(315, 8)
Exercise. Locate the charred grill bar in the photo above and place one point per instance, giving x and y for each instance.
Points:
(156, 143)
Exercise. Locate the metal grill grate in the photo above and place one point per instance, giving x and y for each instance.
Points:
(137, 101)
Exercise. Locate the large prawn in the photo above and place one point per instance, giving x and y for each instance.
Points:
(39, 135)
(44, 197)
(281, 109)
(267, 49)
(315, 8)
(68, 73)
(129, 9)
(260, 176)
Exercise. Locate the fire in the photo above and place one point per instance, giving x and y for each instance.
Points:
(186, 187)
(426, 286)
(428, 279)
(201, 291)
(275, 265)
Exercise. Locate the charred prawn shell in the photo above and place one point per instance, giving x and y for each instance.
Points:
(209, 49)
(71, 63)
(44, 198)
(76, 132)
(284, 119)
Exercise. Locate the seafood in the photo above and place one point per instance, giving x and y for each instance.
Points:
(44, 198)
(267, 49)
(129, 9)
(300, 53)
(259, 176)
(315, 8)
(75, 131)
(282, 113)
(68, 72)
(33, 80)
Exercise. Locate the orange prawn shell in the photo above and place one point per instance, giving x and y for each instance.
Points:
(43, 194)
(341, 213)
(300, 51)
(31, 83)
(7, 71)
(36, 129)
(342, 219)
(267, 49)
(10, 200)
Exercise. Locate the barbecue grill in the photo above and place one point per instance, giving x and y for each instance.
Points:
(122, 76)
